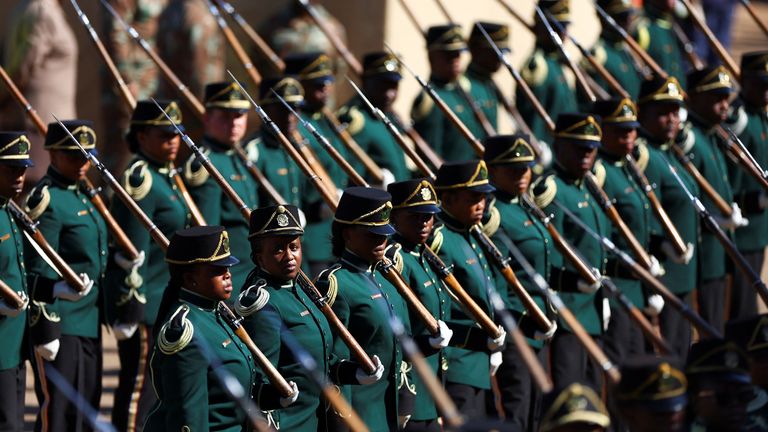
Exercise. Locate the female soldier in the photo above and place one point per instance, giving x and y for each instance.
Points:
(279, 314)
(133, 304)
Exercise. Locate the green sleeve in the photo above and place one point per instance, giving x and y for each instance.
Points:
(184, 377)
(427, 122)
(265, 328)
(208, 197)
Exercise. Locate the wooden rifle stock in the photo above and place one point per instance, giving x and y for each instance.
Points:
(309, 156)
(703, 183)
(713, 42)
(370, 165)
(636, 315)
(589, 344)
(10, 297)
(197, 216)
(233, 43)
(260, 44)
(342, 49)
(688, 48)
(386, 268)
(751, 10)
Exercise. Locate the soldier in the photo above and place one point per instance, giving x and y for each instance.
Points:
(14, 160)
(577, 138)
(751, 126)
(654, 34)
(483, 64)
(74, 228)
(510, 159)
(551, 82)
(190, 396)
(381, 78)
(751, 335)
(314, 72)
(445, 45)
(659, 106)
(414, 205)
(651, 395)
(279, 314)
(577, 408)
(363, 301)
(708, 94)
(225, 121)
(613, 53)
(462, 189)
(719, 387)
(132, 303)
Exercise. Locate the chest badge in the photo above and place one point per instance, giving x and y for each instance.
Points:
(471, 261)
(82, 212)
(226, 343)
(375, 296)
(5, 237)
(583, 204)
(282, 171)
(304, 313)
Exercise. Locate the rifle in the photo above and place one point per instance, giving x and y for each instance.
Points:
(11, 297)
(261, 45)
(237, 48)
(704, 184)
(370, 165)
(350, 59)
(748, 6)
(713, 42)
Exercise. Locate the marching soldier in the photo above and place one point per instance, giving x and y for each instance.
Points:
(659, 117)
(708, 94)
(510, 159)
(414, 206)
(364, 302)
(751, 126)
(190, 396)
(654, 34)
(751, 335)
(576, 408)
(381, 78)
(483, 64)
(577, 138)
(278, 314)
(74, 228)
(462, 189)
(133, 302)
(651, 395)
(444, 46)
(226, 117)
(14, 160)
(551, 82)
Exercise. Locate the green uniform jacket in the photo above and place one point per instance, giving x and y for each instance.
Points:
(484, 92)
(654, 34)
(291, 318)
(752, 128)
(546, 77)
(74, 229)
(279, 169)
(679, 278)
(363, 301)
(710, 161)
(13, 273)
(151, 186)
(614, 55)
(373, 138)
(574, 195)
(190, 396)
(435, 127)
(429, 289)
(633, 207)
(216, 207)
(467, 356)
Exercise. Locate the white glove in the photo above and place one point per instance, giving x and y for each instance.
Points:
(585, 286)
(129, 265)
(545, 158)
(124, 331)
(6, 310)
(48, 351)
(388, 178)
(495, 362)
(365, 379)
(302, 219)
(672, 254)
(735, 221)
(444, 335)
(498, 343)
(538, 335)
(654, 305)
(762, 200)
(62, 290)
(606, 313)
(286, 401)
(656, 268)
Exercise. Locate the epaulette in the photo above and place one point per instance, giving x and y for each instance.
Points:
(327, 278)
(194, 172)
(394, 253)
(38, 200)
(536, 71)
(252, 299)
(686, 138)
(176, 333)
(492, 220)
(643, 35)
(39, 310)
(465, 83)
(436, 241)
(251, 149)
(643, 155)
(737, 119)
(598, 169)
(422, 106)
(544, 190)
(137, 180)
(354, 119)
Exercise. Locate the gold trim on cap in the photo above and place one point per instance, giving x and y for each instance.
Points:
(221, 252)
(285, 82)
(386, 206)
(674, 92)
(664, 372)
(728, 347)
(619, 115)
(283, 222)
(756, 333)
(173, 112)
(472, 182)
(589, 120)
(599, 416)
(20, 139)
(383, 65)
(78, 133)
(232, 102)
(427, 193)
(447, 41)
(723, 80)
(323, 72)
(518, 158)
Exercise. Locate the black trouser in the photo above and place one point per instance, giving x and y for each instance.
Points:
(79, 363)
(676, 329)
(469, 400)
(570, 363)
(711, 297)
(423, 426)
(520, 396)
(624, 339)
(13, 383)
(134, 396)
(743, 296)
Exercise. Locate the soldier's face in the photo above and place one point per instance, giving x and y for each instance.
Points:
(364, 244)
(712, 107)
(576, 160)
(485, 57)
(225, 126)
(11, 180)
(70, 163)
(158, 144)
(280, 256)
(465, 205)
(722, 406)
(382, 93)
(618, 141)
(641, 419)
(446, 65)
(210, 281)
(661, 121)
(512, 179)
(664, 5)
(414, 227)
(317, 93)
(754, 90)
